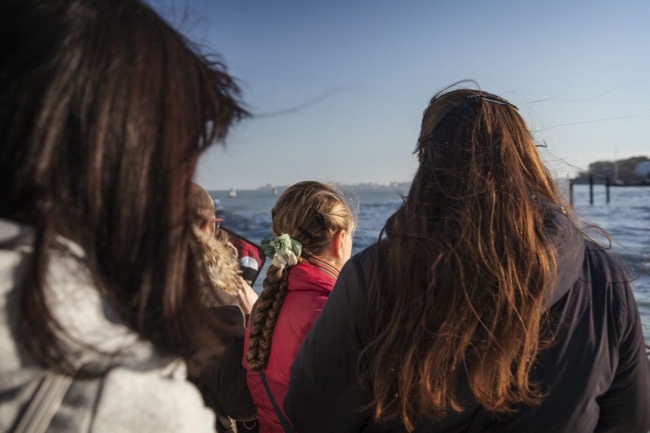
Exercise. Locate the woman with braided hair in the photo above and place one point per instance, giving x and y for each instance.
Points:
(314, 227)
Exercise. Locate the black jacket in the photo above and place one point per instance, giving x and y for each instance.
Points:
(596, 374)
(223, 384)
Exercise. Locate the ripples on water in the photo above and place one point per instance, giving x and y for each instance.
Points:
(626, 218)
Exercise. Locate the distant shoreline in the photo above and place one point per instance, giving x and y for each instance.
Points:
(387, 186)
(405, 186)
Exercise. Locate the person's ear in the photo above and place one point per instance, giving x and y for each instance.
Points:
(207, 227)
(338, 244)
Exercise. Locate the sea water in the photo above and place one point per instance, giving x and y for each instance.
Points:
(626, 218)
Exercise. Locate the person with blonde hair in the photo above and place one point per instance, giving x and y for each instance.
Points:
(229, 298)
(105, 110)
(223, 277)
(482, 307)
(313, 227)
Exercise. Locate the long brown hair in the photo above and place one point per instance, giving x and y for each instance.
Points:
(309, 212)
(104, 111)
(458, 286)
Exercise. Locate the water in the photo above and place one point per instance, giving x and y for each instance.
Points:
(626, 218)
(249, 214)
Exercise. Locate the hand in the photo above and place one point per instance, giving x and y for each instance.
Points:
(246, 297)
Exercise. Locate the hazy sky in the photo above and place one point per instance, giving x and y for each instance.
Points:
(338, 86)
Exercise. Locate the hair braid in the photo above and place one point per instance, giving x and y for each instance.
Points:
(266, 316)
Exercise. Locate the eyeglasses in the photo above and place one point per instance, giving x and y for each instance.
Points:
(216, 221)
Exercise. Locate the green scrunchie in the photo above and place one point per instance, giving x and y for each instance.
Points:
(283, 250)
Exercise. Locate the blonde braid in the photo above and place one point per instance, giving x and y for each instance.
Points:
(266, 316)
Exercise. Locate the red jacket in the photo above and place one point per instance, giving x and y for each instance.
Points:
(308, 287)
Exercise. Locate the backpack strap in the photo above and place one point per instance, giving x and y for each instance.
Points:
(286, 425)
(44, 404)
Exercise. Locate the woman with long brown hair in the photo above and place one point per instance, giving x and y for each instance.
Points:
(482, 307)
(313, 227)
(104, 112)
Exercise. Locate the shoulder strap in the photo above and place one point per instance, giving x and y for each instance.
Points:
(44, 404)
(286, 425)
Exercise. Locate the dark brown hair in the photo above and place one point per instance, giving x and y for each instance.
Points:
(459, 281)
(104, 111)
(309, 212)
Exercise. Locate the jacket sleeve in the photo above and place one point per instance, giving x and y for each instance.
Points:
(324, 392)
(625, 407)
(223, 384)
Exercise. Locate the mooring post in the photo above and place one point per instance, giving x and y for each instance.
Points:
(607, 189)
(591, 189)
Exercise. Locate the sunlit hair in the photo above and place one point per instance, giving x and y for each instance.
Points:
(458, 286)
(310, 212)
(104, 111)
(201, 205)
(218, 266)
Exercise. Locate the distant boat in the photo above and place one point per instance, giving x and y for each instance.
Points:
(232, 193)
(274, 191)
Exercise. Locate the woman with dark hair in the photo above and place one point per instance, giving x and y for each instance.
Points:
(313, 227)
(104, 112)
(481, 308)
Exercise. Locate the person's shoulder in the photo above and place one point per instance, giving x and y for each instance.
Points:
(605, 267)
(359, 267)
(158, 399)
(367, 255)
(611, 285)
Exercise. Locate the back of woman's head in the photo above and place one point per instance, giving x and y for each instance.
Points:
(201, 205)
(104, 111)
(310, 213)
(472, 143)
(218, 269)
(464, 265)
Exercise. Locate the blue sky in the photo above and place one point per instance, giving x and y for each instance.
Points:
(338, 87)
